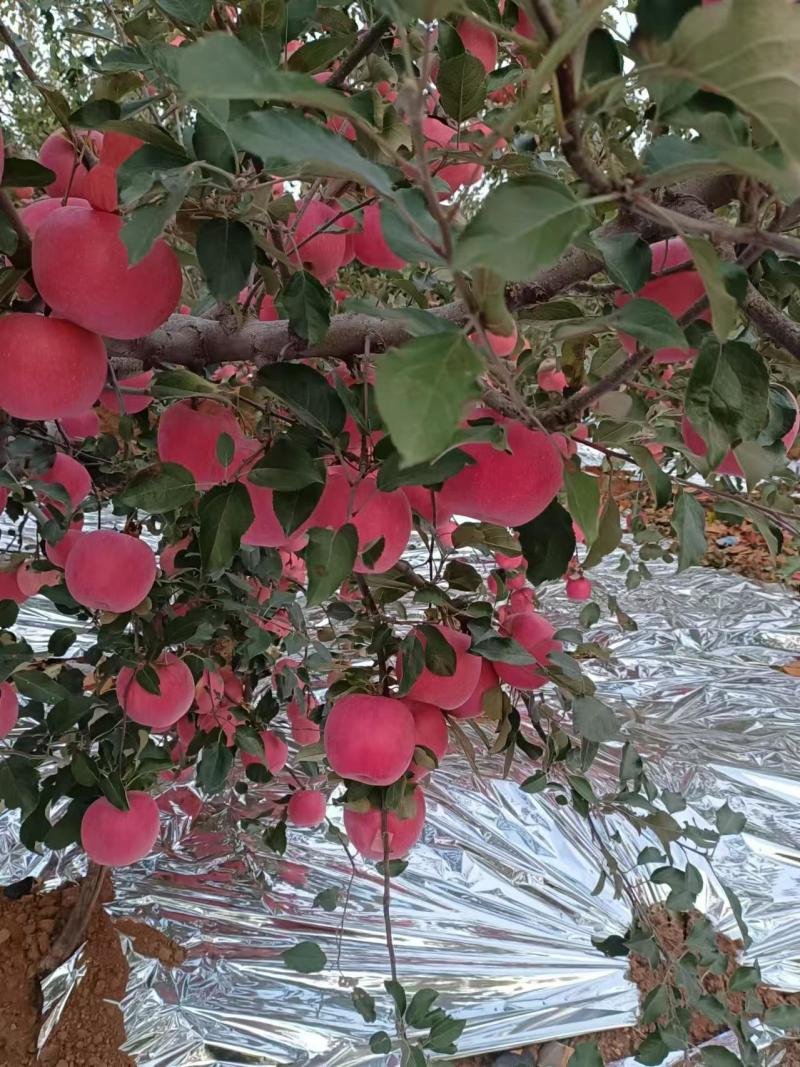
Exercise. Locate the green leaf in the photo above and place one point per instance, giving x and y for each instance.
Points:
(212, 144)
(609, 534)
(594, 720)
(729, 821)
(583, 501)
(187, 12)
(287, 467)
(440, 656)
(306, 957)
(292, 145)
(214, 766)
(727, 398)
(147, 678)
(145, 223)
(306, 392)
(401, 237)
(380, 1043)
(364, 1004)
(225, 449)
(689, 523)
(67, 831)
(537, 783)
(461, 81)
(169, 384)
(655, 1004)
(586, 1054)
(220, 67)
(61, 640)
(8, 237)
(659, 482)
(444, 1033)
(391, 475)
(422, 389)
(19, 784)
(306, 303)
(709, 267)
(501, 650)
(412, 655)
(398, 995)
(330, 556)
(419, 1008)
(659, 18)
(649, 323)
(628, 258)
(652, 1051)
(160, 488)
(670, 158)
(9, 611)
(147, 165)
(547, 543)
(36, 685)
(716, 1056)
(487, 536)
(783, 1017)
(294, 506)
(226, 512)
(318, 54)
(328, 900)
(745, 978)
(18, 173)
(748, 52)
(522, 227)
(225, 251)
(603, 59)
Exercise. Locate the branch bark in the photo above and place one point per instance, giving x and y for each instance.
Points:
(194, 342)
(74, 931)
(771, 321)
(368, 43)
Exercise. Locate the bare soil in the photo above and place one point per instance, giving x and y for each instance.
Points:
(671, 930)
(91, 1029)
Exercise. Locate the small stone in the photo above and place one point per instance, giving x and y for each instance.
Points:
(554, 1054)
(4, 935)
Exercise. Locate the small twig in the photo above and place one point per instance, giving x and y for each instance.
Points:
(368, 43)
(83, 152)
(572, 141)
(387, 917)
(575, 405)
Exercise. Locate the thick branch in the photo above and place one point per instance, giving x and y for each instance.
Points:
(196, 342)
(771, 321)
(74, 931)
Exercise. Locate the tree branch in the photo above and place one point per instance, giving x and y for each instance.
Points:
(194, 342)
(771, 322)
(368, 43)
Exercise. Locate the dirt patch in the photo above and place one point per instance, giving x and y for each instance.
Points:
(151, 943)
(732, 545)
(671, 930)
(90, 1030)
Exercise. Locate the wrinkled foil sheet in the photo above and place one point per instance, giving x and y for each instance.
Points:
(499, 903)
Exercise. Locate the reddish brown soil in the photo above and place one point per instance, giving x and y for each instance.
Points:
(671, 930)
(90, 1030)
